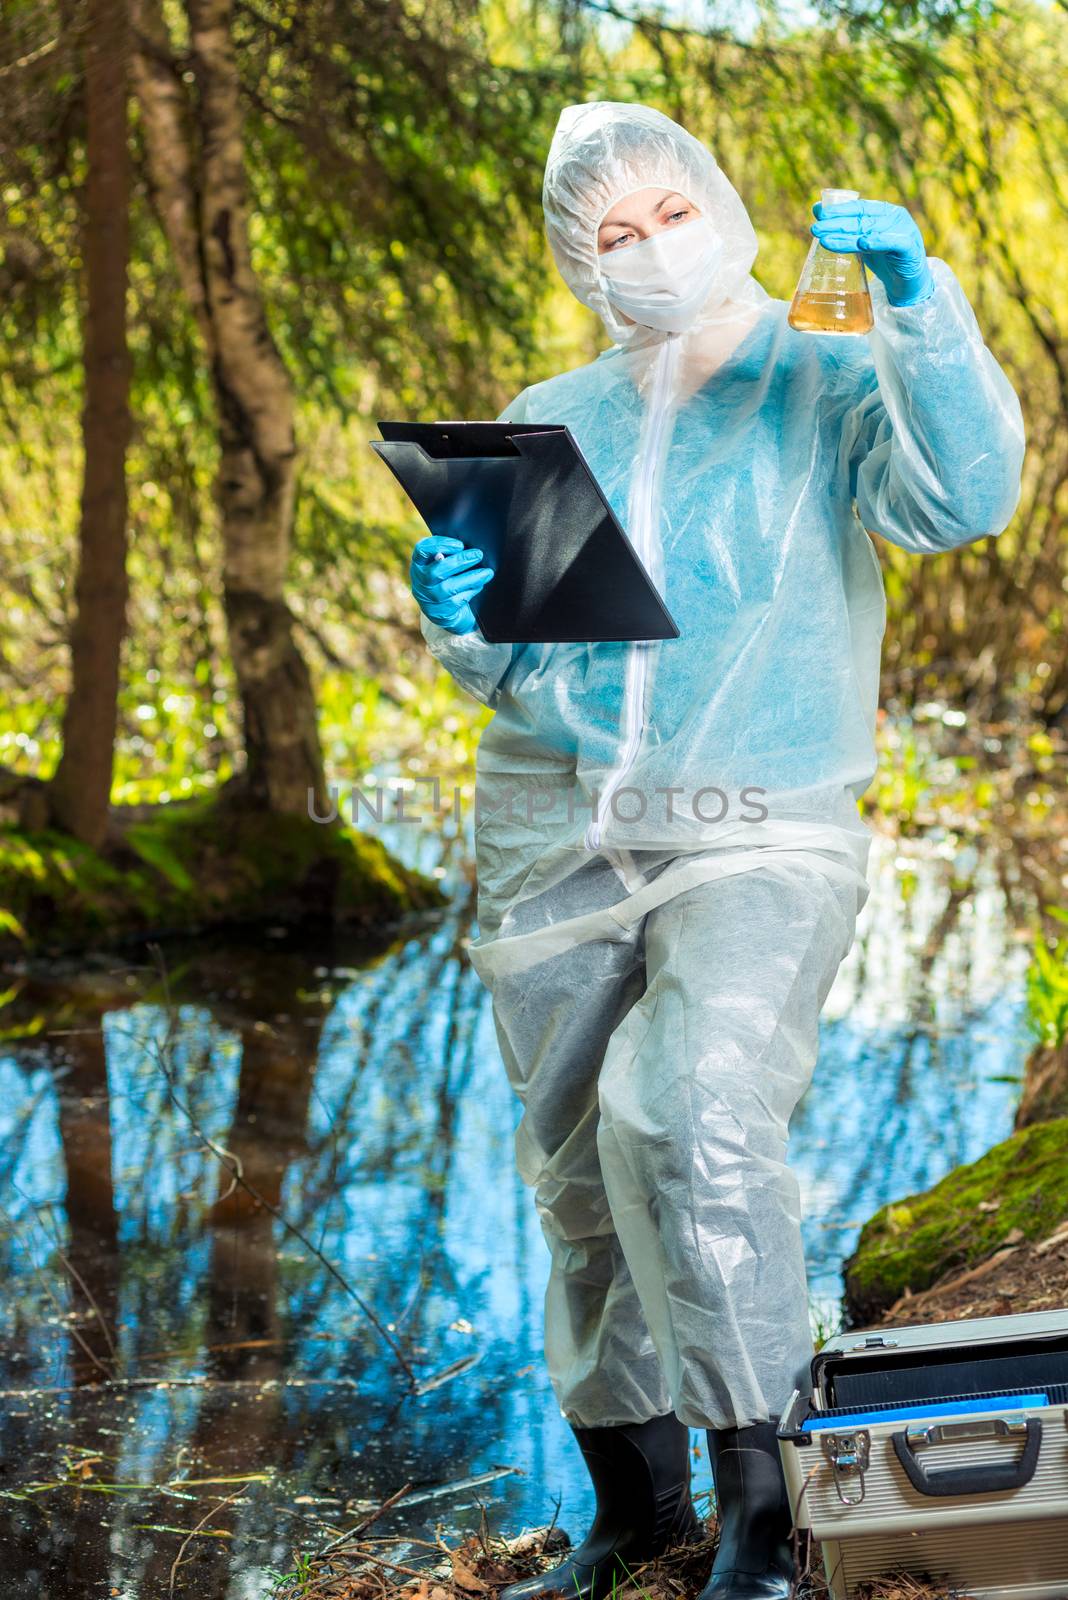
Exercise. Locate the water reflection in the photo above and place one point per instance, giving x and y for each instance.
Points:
(162, 1328)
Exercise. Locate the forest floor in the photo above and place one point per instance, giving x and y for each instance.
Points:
(480, 1565)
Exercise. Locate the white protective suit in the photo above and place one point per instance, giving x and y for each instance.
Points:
(670, 859)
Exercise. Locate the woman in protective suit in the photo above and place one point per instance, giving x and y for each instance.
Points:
(670, 859)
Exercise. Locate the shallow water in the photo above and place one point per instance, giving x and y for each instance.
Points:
(169, 1348)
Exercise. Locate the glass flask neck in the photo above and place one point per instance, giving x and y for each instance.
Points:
(836, 197)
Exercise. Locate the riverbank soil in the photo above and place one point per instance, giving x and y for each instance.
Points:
(1021, 1277)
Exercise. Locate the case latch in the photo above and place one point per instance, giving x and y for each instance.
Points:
(849, 1454)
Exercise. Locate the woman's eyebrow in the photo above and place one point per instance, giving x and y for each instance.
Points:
(675, 194)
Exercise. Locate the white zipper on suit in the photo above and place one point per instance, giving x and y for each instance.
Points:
(642, 530)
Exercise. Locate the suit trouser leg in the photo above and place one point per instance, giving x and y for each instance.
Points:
(553, 1024)
(697, 1087)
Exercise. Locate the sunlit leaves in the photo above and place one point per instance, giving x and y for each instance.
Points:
(1047, 985)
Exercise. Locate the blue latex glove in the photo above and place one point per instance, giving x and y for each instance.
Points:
(445, 577)
(887, 240)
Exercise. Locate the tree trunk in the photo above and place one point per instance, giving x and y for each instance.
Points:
(201, 196)
(1045, 1091)
(81, 788)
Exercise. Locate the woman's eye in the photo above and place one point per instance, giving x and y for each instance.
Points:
(685, 212)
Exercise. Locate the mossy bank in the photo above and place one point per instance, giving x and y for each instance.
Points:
(193, 865)
(1017, 1191)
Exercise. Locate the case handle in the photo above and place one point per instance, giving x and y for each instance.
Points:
(983, 1479)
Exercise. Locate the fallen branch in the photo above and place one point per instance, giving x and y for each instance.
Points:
(220, 1505)
(345, 1538)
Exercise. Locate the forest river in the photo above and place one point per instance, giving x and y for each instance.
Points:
(271, 1358)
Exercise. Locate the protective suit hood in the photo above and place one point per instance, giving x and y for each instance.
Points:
(606, 149)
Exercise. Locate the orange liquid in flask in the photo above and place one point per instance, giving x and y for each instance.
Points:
(832, 293)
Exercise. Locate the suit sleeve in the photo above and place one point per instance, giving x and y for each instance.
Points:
(934, 444)
(478, 666)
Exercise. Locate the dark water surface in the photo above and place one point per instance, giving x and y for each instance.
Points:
(171, 1351)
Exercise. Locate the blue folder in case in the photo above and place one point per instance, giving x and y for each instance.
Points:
(944, 1408)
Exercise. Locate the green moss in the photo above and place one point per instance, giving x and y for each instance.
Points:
(195, 864)
(910, 1244)
(53, 889)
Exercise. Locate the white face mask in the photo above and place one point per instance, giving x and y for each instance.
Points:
(663, 281)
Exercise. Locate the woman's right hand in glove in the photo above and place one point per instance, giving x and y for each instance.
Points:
(445, 577)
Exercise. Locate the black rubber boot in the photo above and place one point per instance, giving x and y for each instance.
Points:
(641, 1477)
(755, 1559)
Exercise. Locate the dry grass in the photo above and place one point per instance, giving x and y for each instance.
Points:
(906, 1588)
(479, 1566)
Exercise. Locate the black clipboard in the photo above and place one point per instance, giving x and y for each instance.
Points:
(523, 494)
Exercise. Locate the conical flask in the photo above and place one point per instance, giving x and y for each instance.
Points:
(832, 292)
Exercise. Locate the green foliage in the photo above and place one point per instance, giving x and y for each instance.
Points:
(394, 168)
(1047, 984)
(919, 782)
(825, 1325)
(903, 781)
(394, 158)
(1019, 1184)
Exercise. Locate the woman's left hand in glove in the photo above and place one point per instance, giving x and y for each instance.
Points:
(887, 240)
